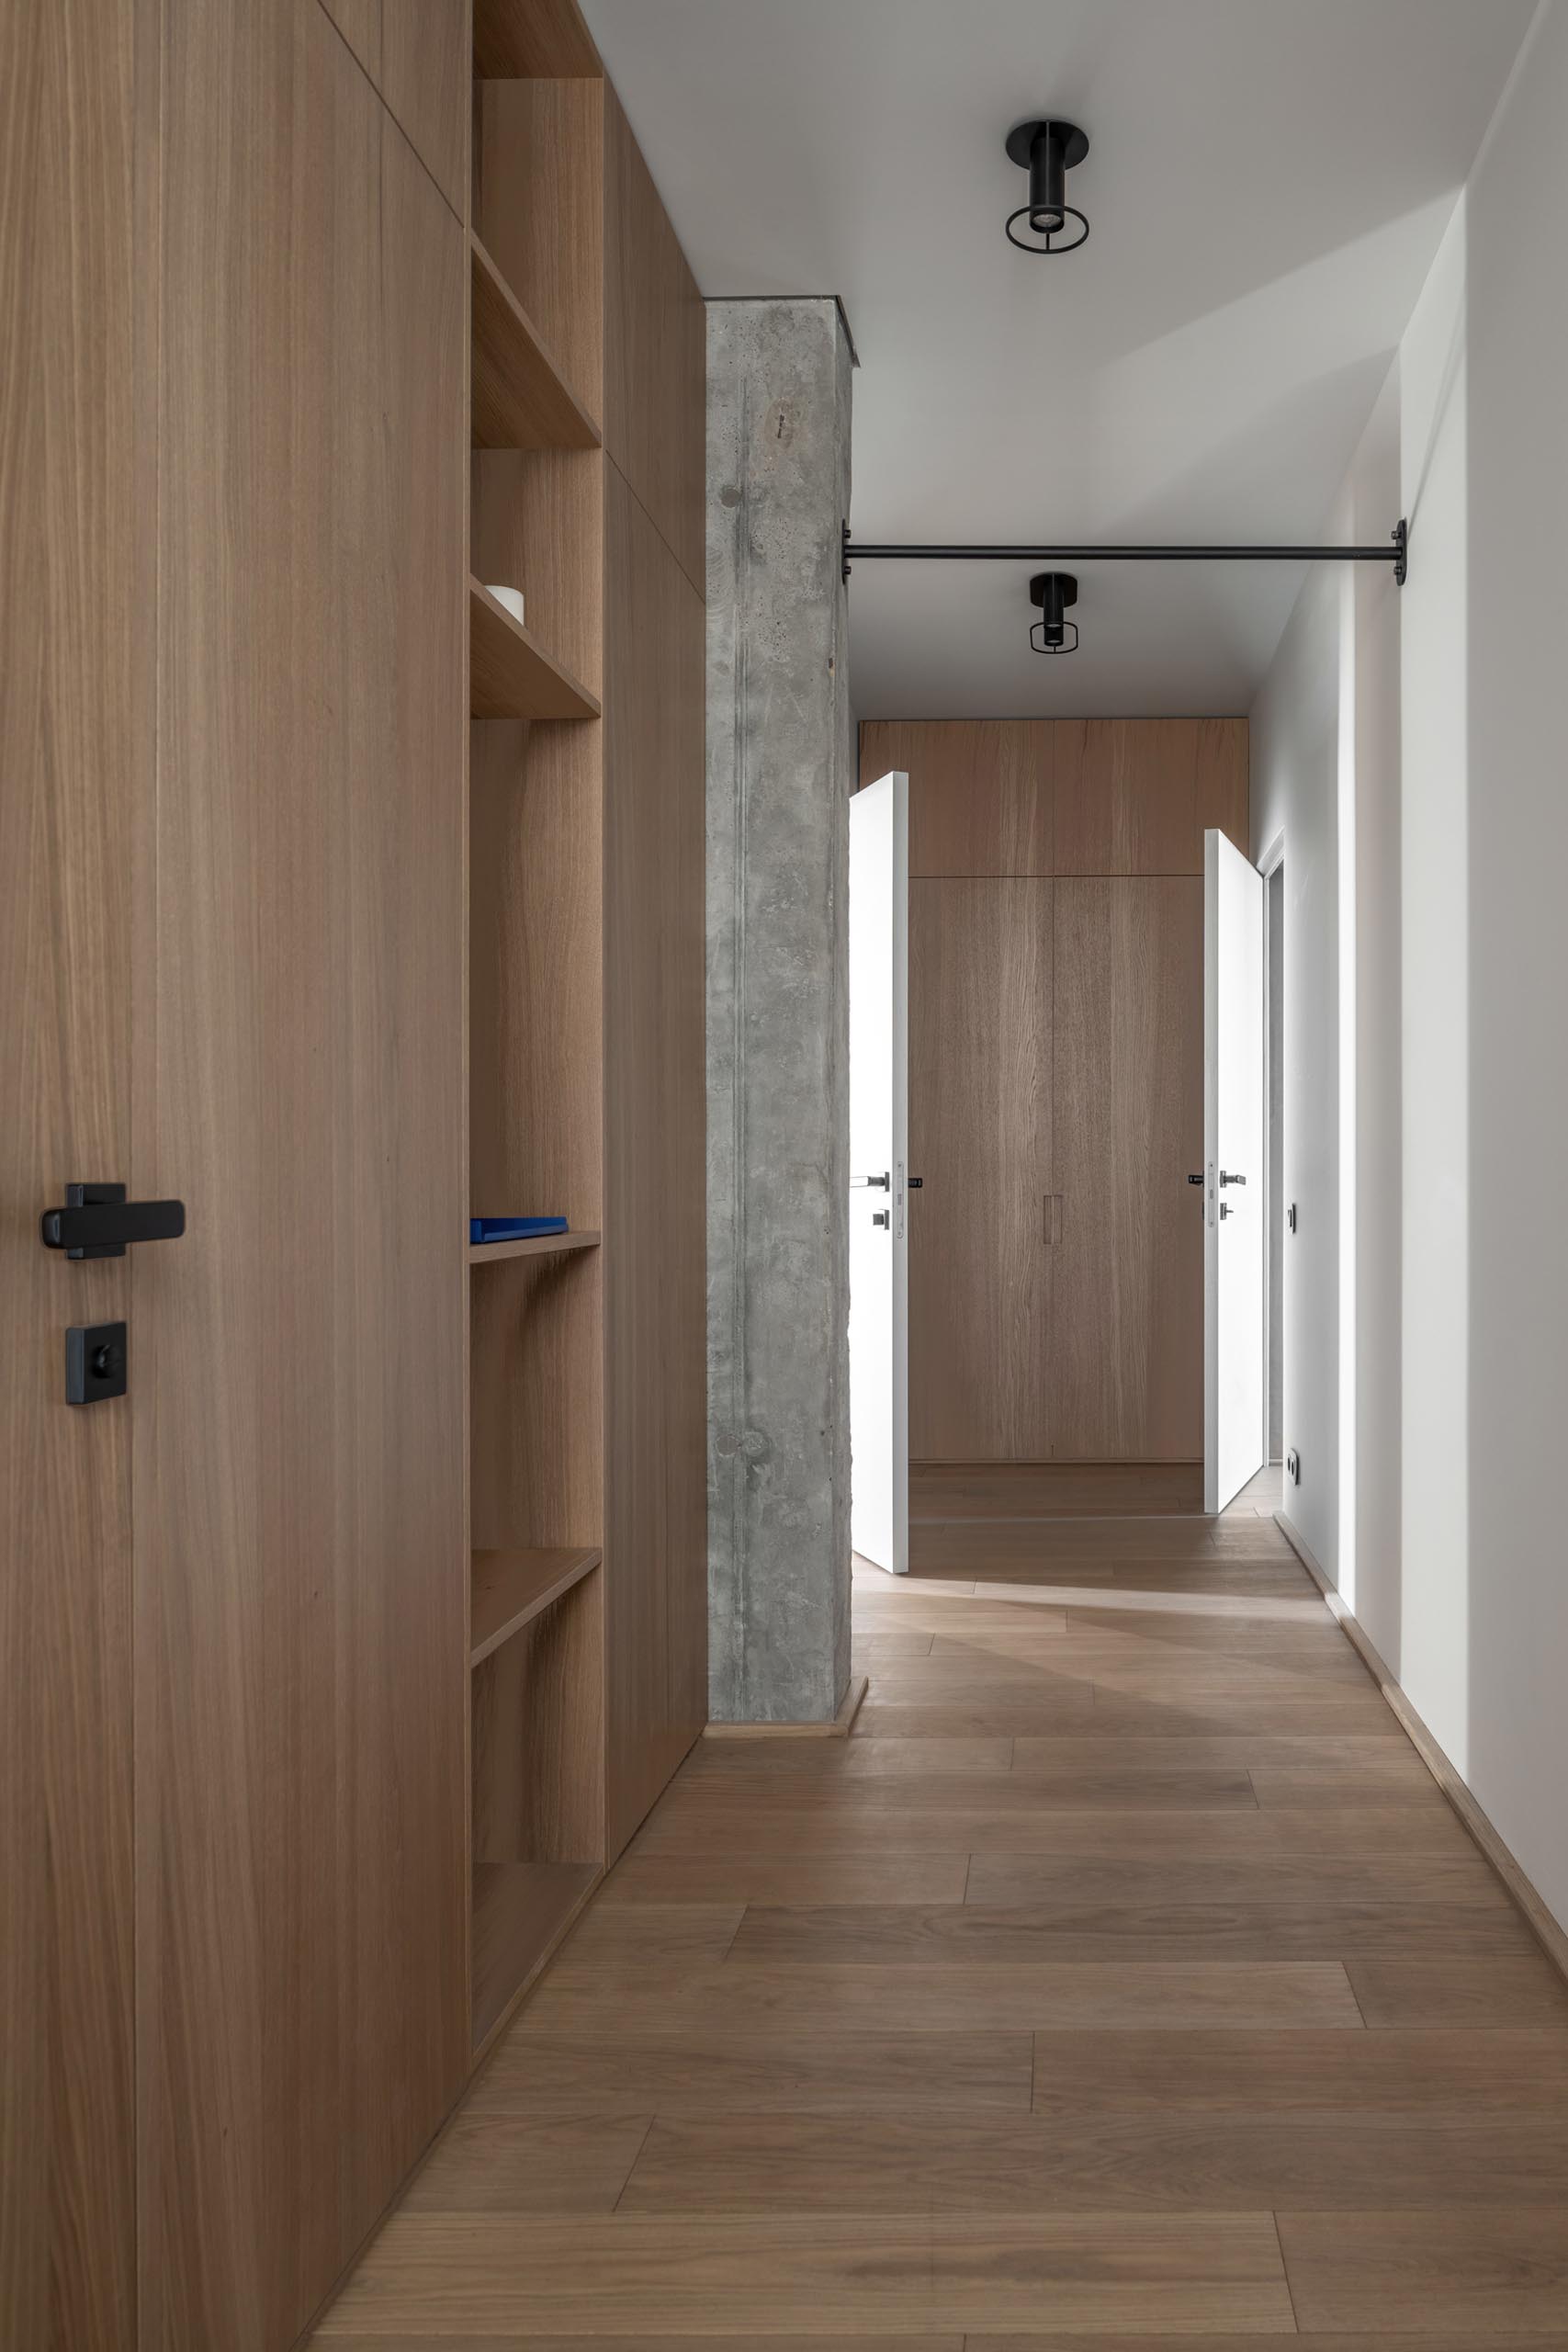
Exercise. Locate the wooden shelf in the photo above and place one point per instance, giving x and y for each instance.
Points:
(520, 399)
(511, 675)
(536, 1244)
(521, 1912)
(510, 1588)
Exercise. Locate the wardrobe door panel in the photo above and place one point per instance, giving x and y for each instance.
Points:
(71, 784)
(980, 790)
(301, 1552)
(980, 1141)
(1126, 1306)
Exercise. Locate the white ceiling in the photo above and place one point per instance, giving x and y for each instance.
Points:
(1266, 183)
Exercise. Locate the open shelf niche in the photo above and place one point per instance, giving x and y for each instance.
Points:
(536, 1013)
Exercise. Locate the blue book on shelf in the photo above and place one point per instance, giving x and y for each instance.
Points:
(512, 1229)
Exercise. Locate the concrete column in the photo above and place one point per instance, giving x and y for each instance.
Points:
(780, 762)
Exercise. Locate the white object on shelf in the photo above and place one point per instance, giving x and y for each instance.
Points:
(511, 598)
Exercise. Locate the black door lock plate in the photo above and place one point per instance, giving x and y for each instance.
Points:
(96, 1362)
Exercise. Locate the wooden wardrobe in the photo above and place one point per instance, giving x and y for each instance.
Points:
(1057, 1078)
(345, 1650)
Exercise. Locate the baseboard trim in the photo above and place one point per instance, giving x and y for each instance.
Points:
(1552, 1937)
(838, 1727)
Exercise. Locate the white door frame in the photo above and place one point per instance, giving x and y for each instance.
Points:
(1268, 865)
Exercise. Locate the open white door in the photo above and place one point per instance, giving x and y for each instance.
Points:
(879, 1249)
(1234, 1209)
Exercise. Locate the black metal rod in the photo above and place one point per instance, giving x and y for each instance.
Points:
(855, 550)
(1395, 552)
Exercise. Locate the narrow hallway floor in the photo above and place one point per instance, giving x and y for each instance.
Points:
(1124, 1975)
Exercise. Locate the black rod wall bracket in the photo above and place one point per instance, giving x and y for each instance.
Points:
(1396, 551)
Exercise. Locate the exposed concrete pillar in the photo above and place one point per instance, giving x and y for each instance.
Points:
(780, 756)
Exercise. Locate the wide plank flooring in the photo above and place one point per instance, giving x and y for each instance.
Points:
(1123, 1977)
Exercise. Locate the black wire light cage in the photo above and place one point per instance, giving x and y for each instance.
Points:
(1053, 632)
(1047, 152)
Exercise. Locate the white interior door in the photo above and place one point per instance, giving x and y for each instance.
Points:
(879, 1247)
(1235, 1207)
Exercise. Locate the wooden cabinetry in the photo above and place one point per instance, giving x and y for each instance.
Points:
(343, 1650)
(1056, 1095)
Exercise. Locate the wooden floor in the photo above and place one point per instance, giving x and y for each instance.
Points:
(1124, 1975)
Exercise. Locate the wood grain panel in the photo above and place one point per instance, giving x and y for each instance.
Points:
(301, 1659)
(655, 354)
(1487, 2275)
(981, 791)
(417, 54)
(980, 1109)
(538, 1738)
(1126, 1298)
(1132, 795)
(74, 790)
(655, 1328)
(539, 212)
(884, 2275)
(517, 38)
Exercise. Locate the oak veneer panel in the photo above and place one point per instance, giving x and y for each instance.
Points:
(535, 1244)
(1243, 1928)
(1133, 795)
(655, 1173)
(945, 1491)
(980, 1114)
(514, 2163)
(539, 524)
(536, 1404)
(810, 1826)
(1125, 1359)
(765, 1878)
(521, 1912)
(1483, 2273)
(1248, 2163)
(655, 354)
(539, 210)
(416, 52)
(699, 2072)
(536, 997)
(883, 2274)
(981, 791)
(72, 804)
(1443, 1990)
(301, 1652)
(1437, 2077)
(511, 674)
(542, 38)
(1039, 1997)
(520, 397)
(510, 1588)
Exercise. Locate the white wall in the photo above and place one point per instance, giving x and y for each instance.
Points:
(1411, 746)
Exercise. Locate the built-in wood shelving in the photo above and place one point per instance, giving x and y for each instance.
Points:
(535, 1244)
(521, 399)
(521, 1912)
(510, 674)
(510, 1588)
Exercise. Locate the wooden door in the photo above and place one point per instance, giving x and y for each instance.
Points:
(301, 1552)
(980, 1110)
(1126, 1311)
(68, 778)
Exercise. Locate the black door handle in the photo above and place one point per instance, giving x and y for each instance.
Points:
(97, 1221)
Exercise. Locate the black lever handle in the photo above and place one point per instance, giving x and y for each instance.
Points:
(97, 1221)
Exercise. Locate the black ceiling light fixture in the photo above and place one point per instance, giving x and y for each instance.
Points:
(1053, 632)
(1047, 149)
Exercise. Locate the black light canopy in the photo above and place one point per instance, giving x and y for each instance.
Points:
(1053, 632)
(1047, 148)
